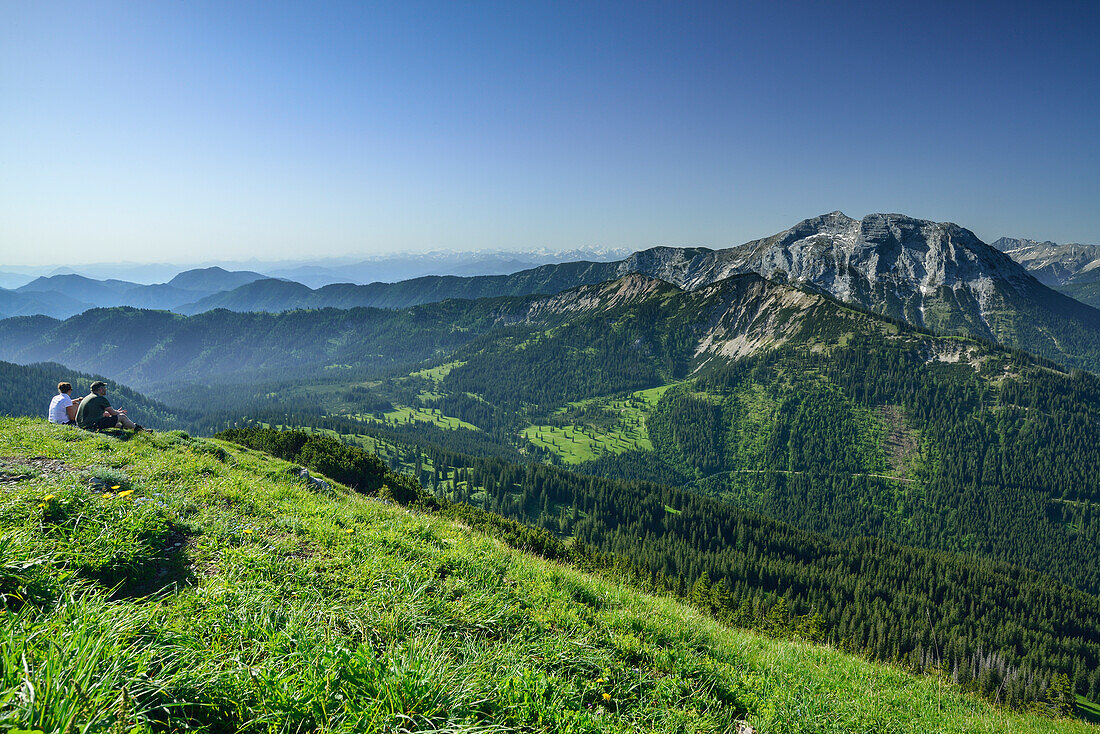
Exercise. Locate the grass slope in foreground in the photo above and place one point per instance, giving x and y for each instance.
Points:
(248, 599)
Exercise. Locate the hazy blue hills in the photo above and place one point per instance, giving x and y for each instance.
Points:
(67, 294)
(269, 295)
(12, 280)
(53, 304)
(79, 288)
(213, 279)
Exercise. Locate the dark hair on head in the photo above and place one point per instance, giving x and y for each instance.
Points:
(98, 384)
(64, 387)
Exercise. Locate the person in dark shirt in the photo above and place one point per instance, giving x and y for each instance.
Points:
(95, 412)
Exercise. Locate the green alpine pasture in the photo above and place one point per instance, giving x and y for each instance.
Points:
(404, 414)
(166, 583)
(588, 429)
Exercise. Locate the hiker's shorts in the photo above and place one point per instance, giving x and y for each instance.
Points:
(107, 421)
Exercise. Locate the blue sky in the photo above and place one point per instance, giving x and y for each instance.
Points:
(194, 131)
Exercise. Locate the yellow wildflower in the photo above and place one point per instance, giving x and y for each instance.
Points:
(115, 486)
(107, 495)
(248, 531)
(41, 504)
(607, 696)
(47, 498)
(349, 531)
(601, 680)
(126, 493)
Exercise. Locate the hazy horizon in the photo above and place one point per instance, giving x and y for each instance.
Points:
(209, 132)
(153, 271)
(159, 272)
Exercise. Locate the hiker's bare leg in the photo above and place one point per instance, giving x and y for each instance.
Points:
(125, 422)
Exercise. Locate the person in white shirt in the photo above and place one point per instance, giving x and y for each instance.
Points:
(63, 407)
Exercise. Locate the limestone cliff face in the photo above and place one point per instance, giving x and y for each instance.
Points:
(928, 273)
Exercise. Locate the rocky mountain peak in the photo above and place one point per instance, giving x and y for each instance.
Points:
(834, 224)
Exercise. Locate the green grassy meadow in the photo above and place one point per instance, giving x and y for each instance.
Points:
(588, 429)
(404, 414)
(166, 583)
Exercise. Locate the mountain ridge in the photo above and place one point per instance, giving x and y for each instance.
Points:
(1053, 264)
(930, 274)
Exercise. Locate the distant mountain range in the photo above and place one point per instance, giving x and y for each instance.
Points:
(934, 275)
(67, 294)
(1072, 269)
(393, 268)
(1053, 264)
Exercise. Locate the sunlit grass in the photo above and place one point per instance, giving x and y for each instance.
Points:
(290, 610)
(405, 414)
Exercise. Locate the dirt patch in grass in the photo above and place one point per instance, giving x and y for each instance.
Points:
(17, 468)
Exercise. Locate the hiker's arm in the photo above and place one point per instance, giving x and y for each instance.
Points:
(70, 410)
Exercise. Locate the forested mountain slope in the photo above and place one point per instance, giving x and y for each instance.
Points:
(158, 347)
(885, 601)
(28, 390)
(1084, 292)
(787, 403)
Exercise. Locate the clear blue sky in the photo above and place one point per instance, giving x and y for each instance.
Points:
(189, 131)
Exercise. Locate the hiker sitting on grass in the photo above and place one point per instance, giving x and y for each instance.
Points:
(95, 412)
(63, 407)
